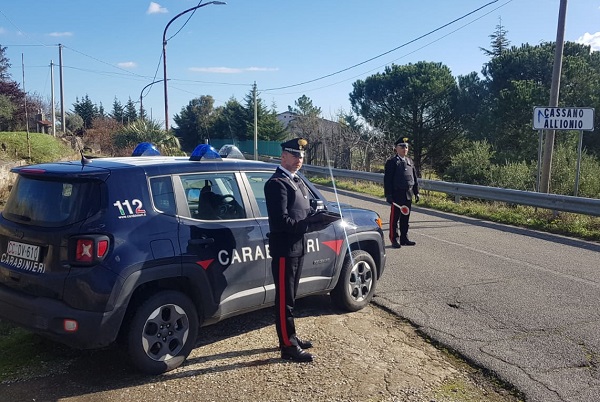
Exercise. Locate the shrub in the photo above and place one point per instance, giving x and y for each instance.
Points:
(471, 165)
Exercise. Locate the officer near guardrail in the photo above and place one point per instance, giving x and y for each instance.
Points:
(288, 208)
(399, 186)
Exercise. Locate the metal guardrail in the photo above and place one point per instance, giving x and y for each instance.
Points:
(579, 205)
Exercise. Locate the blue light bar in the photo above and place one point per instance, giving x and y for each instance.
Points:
(145, 149)
(203, 152)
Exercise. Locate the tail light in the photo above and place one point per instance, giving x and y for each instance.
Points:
(88, 249)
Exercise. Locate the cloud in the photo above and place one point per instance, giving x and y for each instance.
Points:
(60, 34)
(127, 64)
(229, 70)
(156, 8)
(593, 40)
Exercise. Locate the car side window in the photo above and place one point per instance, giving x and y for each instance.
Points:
(162, 194)
(257, 182)
(213, 196)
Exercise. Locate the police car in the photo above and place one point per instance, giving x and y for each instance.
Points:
(148, 249)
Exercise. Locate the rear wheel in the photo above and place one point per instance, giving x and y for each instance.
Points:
(162, 332)
(356, 284)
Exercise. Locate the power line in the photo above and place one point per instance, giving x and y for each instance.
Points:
(388, 52)
(401, 57)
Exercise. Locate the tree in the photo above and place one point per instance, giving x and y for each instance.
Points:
(75, 123)
(87, 110)
(4, 65)
(304, 107)
(269, 128)
(118, 112)
(131, 113)
(11, 90)
(499, 43)
(415, 101)
(195, 122)
(7, 110)
(520, 79)
(127, 137)
(231, 121)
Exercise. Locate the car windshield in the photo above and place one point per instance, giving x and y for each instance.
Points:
(51, 203)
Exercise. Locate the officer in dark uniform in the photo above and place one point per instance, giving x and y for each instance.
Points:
(290, 217)
(399, 185)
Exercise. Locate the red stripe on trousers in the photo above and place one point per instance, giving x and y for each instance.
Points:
(392, 228)
(282, 315)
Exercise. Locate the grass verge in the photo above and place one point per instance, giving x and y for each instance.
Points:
(563, 223)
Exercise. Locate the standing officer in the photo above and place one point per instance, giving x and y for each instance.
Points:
(399, 185)
(290, 218)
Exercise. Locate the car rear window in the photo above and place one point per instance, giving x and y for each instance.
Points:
(52, 203)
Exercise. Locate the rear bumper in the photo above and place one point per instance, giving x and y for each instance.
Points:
(46, 317)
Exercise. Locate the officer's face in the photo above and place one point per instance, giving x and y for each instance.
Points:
(402, 150)
(292, 162)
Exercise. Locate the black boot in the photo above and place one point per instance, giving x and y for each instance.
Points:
(295, 353)
(405, 242)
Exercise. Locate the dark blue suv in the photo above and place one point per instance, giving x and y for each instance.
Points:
(149, 249)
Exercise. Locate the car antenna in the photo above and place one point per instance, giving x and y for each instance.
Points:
(84, 160)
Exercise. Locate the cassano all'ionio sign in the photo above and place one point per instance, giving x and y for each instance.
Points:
(563, 118)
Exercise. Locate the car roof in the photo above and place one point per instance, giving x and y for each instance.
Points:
(152, 165)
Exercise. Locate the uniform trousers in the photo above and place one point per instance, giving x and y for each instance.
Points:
(396, 216)
(286, 274)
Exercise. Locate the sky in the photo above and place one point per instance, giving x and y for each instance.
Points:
(318, 48)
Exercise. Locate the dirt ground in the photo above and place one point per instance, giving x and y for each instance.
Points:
(370, 355)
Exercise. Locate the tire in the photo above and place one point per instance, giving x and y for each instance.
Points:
(356, 284)
(162, 332)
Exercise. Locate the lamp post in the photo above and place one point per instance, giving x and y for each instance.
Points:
(141, 92)
(165, 54)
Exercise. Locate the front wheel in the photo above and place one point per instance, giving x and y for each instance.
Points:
(162, 332)
(356, 284)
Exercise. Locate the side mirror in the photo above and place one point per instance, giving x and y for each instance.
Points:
(317, 204)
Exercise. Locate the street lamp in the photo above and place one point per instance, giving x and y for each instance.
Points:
(141, 92)
(165, 54)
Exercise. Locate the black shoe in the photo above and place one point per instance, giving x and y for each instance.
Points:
(406, 242)
(395, 244)
(304, 344)
(295, 353)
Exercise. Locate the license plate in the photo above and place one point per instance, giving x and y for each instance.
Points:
(23, 250)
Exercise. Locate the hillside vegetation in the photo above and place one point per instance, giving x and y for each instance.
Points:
(45, 148)
(39, 149)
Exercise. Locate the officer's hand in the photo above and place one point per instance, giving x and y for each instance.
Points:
(315, 222)
(314, 218)
(417, 198)
(389, 199)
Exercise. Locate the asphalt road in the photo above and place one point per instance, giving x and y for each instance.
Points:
(520, 303)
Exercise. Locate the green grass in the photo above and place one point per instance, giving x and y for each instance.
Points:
(564, 223)
(40, 148)
(25, 355)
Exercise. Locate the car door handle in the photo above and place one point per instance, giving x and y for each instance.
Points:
(201, 242)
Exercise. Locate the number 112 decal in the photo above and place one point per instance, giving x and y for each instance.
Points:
(130, 209)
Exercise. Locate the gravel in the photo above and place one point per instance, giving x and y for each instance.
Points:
(369, 355)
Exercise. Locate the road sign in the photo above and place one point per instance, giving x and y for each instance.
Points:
(563, 118)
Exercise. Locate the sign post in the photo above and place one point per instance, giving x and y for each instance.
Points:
(563, 118)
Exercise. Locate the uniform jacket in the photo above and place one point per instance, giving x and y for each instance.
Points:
(400, 176)
(287, 207)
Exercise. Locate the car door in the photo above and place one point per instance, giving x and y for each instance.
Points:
(221, 237)
(322, 247)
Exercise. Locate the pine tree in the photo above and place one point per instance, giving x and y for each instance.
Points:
(499, 42)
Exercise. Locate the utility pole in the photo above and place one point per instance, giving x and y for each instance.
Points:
(62, 92)
(554, 91)
(255, 122)
(52, 96)
(25, 96)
